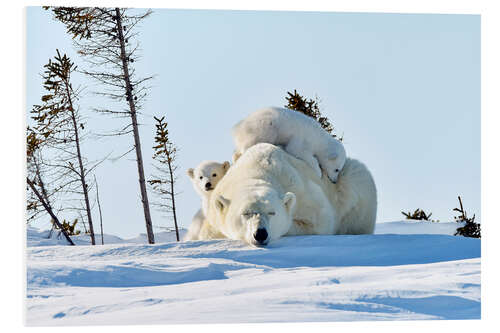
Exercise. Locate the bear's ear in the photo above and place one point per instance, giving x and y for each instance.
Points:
(221, 203)
(190, 173)
(289, 202)
(225, 165)
(236, 156)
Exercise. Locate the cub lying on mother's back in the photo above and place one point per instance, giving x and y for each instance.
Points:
(300, 135)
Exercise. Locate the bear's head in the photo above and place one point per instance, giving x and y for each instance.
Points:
(257, 216)
(206, 175)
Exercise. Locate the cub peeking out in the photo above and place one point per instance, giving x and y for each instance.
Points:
(204, 178)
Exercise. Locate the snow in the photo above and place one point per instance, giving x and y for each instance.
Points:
(408, 270)
(36, 237)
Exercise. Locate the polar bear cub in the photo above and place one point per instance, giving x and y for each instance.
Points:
(204, 179)
(300, 135)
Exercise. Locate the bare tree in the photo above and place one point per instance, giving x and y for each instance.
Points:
(35, 183)
(38, 173)
(43, 176)
(35, 172)
(58, 121)
(163, 183)
(106, 38)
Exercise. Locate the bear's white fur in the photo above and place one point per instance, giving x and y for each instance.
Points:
(300, 135)
(267, 188)
(204, 179)
(194, 229)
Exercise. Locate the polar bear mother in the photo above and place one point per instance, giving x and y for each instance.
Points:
(268, 194)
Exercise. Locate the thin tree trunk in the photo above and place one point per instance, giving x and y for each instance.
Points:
(50, 232)
(44, 192)
(82, 172)
(137, 142)
(83, 222)
(42, 185)
(99, 206)
(49, 210)
(172, 194)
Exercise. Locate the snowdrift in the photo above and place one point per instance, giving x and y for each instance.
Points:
(409, 270)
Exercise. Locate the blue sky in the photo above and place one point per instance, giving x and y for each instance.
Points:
(403, 89)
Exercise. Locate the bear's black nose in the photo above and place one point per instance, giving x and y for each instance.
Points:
(208, 186)
(261, 235)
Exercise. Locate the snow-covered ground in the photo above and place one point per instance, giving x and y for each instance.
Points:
(407, 270)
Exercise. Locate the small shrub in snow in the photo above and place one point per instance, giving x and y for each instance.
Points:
(69, 227)
(309, 107)
(471, 228)
(418, 214)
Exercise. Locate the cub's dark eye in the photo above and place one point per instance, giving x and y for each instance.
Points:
(336, 170)
(214, 175)
(201, 177)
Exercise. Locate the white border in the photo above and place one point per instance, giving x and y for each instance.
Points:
(12, 139)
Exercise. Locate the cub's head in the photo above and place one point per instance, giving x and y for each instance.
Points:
(335, 162)
(257, 217)
(206, 175)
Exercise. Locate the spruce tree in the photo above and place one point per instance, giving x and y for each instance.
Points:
(107, 40)
(162, 184)
(471, 228)
(59, 123)
(309, 107)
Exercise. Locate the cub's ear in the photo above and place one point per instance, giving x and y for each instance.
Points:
(190, 173)
(289, 202)
(225, 165)
(221, 203)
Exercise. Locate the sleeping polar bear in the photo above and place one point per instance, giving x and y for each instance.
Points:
(268, 193)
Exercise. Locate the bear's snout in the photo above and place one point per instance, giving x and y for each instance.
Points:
(261, 236)
(208, 186)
